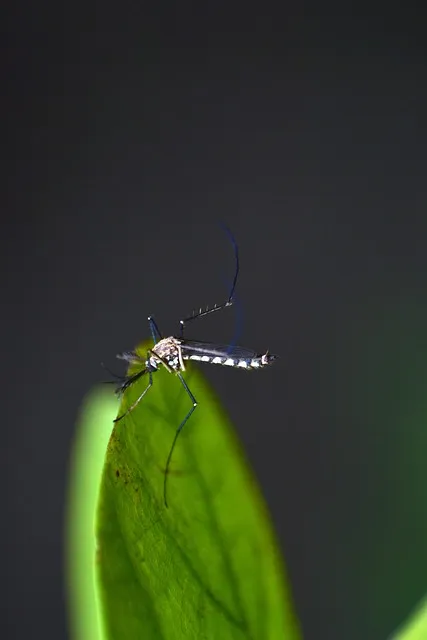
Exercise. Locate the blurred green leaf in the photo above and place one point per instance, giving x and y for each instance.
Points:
(416, 627)
(87, 460)
(208, 567)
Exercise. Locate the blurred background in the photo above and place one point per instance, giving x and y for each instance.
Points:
(131, 132)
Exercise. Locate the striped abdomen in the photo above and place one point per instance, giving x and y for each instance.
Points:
(225, 355)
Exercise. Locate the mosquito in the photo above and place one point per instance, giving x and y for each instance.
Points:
(172, 353)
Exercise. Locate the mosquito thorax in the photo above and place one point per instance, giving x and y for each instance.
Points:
(168, 353)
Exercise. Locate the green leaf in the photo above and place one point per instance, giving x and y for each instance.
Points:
(87, 460)
(416, 627)
(209, 565)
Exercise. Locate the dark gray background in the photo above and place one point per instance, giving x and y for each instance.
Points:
(131, 134)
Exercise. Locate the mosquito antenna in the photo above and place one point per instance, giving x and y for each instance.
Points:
(115, 375)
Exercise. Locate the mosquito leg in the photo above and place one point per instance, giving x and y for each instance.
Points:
(155, 331)
(178, 431)
(133, 405)
(229, 301)
(201, 313)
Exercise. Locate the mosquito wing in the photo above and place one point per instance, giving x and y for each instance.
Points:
(193, 347)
